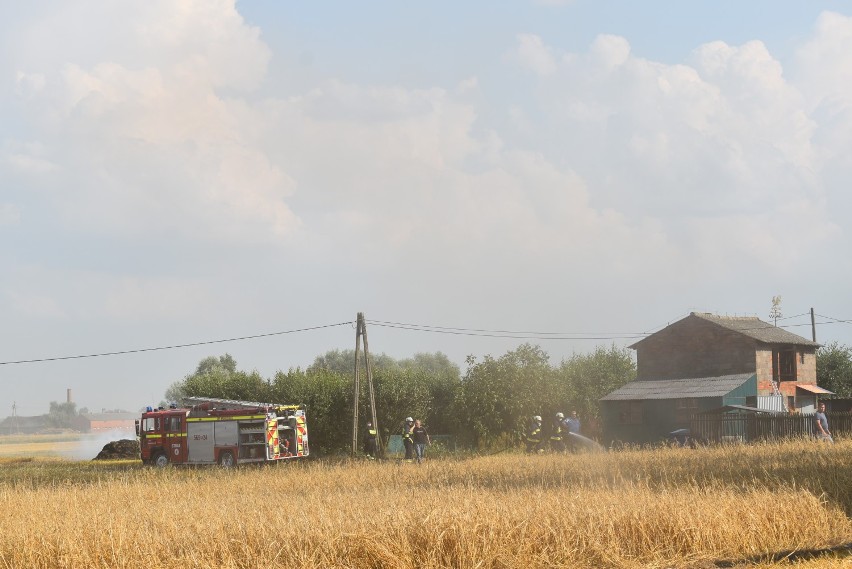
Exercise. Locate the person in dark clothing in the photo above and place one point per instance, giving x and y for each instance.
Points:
(533, 435)
(822, 431)
(421, 439)
(406, 439)
(371, 441)
(557, 434)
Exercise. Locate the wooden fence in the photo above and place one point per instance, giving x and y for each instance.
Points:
(729, 427)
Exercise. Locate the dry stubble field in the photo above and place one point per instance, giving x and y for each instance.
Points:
(661, 508)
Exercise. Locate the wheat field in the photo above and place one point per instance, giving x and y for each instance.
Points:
(659, 508)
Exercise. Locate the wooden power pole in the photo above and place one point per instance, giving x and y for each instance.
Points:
(813, 326)
(361, 331)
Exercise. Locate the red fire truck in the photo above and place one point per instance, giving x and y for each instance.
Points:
(222, 431)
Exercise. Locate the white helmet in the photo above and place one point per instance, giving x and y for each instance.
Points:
(409, 419)
(560, 416)
(537, 418)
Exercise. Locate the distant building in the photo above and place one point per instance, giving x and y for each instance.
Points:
(705, 361)
(94, 422)
(16, 425)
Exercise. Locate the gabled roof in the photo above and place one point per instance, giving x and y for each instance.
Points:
(678, 388)
(749, 326)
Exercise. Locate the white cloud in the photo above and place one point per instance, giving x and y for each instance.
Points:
(610, 51)
(146, 138)
(711, 150)
(535, 55)
(824, 62)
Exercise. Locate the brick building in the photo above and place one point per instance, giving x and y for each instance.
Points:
(115, 421)
(775, 368)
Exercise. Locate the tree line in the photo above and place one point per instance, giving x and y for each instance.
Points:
(486, 405)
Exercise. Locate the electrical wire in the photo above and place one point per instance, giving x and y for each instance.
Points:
(174, 347)
(485, 333)
(455, 331)
(796, 316)
(834, 320)
(532, 335)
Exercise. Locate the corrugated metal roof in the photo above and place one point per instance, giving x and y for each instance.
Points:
(815, 389)
(678, 388)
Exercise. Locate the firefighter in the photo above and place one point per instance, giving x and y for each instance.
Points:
(533, 435)
(406, 439)
(371, 441)
(557, 442)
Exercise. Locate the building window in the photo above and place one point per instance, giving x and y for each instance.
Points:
(685, 409)
(784, 365)
(630, 412)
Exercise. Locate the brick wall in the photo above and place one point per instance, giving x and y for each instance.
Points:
(763, 368)
(694, 347)
(807, 371)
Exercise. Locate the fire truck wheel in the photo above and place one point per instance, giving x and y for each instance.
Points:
(226, 459)
(161, 460)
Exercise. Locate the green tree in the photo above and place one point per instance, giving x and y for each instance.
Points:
(328, 398)
(220, 378)
(585, 378)
(498, 395)
(61, 415)
(834, 368)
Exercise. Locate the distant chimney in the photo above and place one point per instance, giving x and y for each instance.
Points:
(68, 398)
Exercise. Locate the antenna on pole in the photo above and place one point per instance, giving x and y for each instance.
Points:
(361, 331)
(775, 311)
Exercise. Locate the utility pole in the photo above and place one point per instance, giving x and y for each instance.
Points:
(15, 424)
(813, 325)
(361, 331)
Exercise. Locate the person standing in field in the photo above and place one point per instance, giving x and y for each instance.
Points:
(557, 442)
(371, 441)
(533, 435)
(406, 439)
(572, 425)
(421, 440)
(821, 420)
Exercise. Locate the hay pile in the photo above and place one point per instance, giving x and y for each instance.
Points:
(124, 448)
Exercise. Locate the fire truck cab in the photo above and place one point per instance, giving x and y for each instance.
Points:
(221, 431)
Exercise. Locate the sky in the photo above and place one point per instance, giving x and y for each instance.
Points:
(175, 172)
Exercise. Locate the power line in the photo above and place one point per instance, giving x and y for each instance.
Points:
(834, 320)
(537, 335)
(796, 316)
(450, 330)
(176, 346)
(485, 333)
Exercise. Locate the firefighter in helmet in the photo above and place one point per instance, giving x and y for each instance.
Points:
(406, 439)
(557, 434)
(533, 435)
(371, 441)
